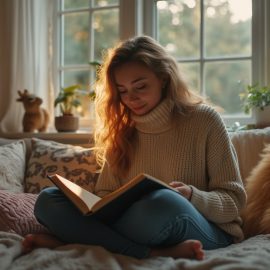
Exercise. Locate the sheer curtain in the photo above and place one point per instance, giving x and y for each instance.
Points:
(27, 61)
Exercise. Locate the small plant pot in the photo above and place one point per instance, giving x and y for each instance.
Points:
(66, 123)
(262, 117)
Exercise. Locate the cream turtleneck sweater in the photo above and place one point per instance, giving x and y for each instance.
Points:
(194, 149)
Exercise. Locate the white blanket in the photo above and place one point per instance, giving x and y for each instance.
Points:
(253, 253)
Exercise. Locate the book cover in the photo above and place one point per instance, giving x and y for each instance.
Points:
(110, 207)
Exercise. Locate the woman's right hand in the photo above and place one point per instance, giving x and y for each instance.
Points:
(182, 188)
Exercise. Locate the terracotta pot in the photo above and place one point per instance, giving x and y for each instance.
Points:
(66, 123)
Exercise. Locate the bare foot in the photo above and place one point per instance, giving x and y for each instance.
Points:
(191, 249)
(32, 241)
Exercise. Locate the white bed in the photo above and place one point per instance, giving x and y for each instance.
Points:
(253, 253)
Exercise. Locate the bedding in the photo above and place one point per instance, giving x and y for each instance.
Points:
(251, 254)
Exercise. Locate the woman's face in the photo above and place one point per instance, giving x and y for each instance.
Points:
(139, 88)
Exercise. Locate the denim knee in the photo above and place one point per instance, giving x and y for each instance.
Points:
(165, 201)
(149, 216)
(45, 205)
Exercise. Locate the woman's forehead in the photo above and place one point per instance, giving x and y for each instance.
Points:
(132, 71)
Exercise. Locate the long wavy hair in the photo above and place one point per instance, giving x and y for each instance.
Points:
(114, 130)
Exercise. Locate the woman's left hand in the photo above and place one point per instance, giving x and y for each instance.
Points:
(182, 188)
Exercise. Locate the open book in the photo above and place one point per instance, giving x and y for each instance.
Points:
(112, 205)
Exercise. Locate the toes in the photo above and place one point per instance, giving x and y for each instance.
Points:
(27, 245)
(200, 255)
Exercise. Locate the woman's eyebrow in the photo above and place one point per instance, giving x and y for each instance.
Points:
(134, 81)
(139, 79)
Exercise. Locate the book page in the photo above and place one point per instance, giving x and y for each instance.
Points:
(82, 198)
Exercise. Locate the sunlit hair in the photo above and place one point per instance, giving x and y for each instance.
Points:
(115, 130)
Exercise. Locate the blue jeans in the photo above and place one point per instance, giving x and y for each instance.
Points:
(161, 218)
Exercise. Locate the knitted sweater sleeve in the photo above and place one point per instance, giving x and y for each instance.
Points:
(225, 197)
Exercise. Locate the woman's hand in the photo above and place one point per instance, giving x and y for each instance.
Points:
(182, 188)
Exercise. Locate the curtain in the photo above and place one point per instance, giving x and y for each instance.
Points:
(27, 61)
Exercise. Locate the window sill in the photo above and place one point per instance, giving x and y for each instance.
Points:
(81, 137)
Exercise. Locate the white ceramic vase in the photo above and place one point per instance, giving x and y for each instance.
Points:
(262, 117)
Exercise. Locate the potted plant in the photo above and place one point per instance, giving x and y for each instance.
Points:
(257, 99)
(68, 100)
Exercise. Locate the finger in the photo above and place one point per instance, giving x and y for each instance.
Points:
(178, 191)
(176, 184)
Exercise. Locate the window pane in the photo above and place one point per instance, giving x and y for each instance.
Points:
(103, 3)
(224, 81)
(76, 77)
(76, 38)
(178, 27)
(85, 33)
(190, 72)
(71, 77)
(106, 30)
(228, 27)
(73, 4)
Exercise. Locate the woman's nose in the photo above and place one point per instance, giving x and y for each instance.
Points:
(132, 95)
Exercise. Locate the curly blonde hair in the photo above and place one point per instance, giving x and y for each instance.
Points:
(115, 131)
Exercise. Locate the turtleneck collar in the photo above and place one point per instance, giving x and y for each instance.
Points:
(156, 121)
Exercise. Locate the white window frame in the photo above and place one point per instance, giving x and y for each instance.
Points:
(85, 123)
(138, 17)
(260, 46)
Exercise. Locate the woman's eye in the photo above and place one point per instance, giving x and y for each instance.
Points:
(122, 91)
(140, 87)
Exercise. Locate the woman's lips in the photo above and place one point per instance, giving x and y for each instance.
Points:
(138, 108)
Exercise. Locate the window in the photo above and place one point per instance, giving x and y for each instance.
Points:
(86, 28)
(216, 42)
(212, 42)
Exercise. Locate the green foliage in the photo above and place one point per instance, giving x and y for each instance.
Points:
(255, 96)
(69, 98)
(96, 64)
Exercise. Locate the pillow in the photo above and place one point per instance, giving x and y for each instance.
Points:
(16, 213)
(12, 166)
(4, 141)
(75, 163)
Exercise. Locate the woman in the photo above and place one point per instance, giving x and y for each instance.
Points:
(149, 121)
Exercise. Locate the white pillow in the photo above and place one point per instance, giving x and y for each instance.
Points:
(12, 166)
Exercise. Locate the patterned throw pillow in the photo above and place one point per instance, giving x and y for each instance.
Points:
(75, 163)
(16, 213)
(12, 166)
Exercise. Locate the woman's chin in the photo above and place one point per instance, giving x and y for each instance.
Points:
(140, 112)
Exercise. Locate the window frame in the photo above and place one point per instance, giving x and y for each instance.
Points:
(91, 10)
(260, 47)
(85, 123)
(138, 17)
